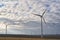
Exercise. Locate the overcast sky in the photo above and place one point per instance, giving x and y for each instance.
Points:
(18, 16)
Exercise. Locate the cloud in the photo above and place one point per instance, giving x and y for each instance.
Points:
(1, 5)
(13, 12)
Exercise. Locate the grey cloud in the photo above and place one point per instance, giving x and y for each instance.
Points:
(32, 24)
(9, 21)
(49, 28)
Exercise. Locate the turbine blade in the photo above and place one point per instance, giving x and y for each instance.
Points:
(43, 12)
(44, 20)
(37, 15)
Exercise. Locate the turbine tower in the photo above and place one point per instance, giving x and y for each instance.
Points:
(6, 29)
(6, 25)
(42, 18)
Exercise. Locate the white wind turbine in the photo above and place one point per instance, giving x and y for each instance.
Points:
(6, 29)
(42, 18)
(6, 25)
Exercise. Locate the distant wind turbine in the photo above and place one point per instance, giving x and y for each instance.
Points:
(6, 29)
(42, 18)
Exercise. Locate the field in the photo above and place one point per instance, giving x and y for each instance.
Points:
(14, 38)
(29, 37)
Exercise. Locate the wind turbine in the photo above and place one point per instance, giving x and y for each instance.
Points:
(42, 18)
(6, 25)
(6, 29)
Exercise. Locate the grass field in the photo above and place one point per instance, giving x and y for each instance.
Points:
(18, 38)
(29, 37)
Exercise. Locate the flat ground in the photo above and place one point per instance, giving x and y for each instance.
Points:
(18, 38)
(29, 37)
